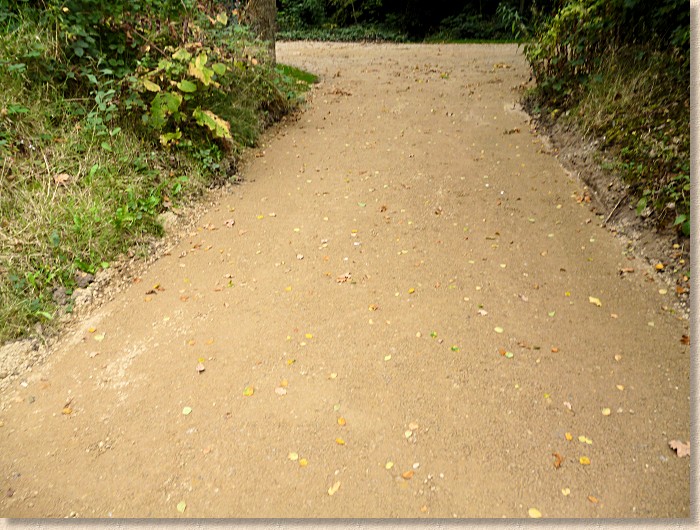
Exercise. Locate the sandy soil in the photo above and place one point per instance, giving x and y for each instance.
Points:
(405, 310)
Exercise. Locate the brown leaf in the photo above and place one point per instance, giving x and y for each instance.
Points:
(685, 339)
(408, 475)
(593, 499)
(62, 179)
(558, 459)
(681, 449)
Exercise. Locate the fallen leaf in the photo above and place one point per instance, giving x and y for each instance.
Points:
(293, 456)
(67, 411)
(558, 459)
(566, 492)
(373, 307)
(555, 349)
(181, 506)
(681, 449)
(100, 337)
(333, 488)
(585, 461)
(303, 462)
(248, 391)
(389, 465)
(568, 436)
(534, 513)
(340, 441)
(509, 355)
(229, 222)
(592, 499)
(408, 475)
(498, 329)
(585, 440)
(61, 179)
(413, 426)
(387, 357)
(606, 411)
(685, 339)
(595, 301)
(280, 391)
(341, 421)
(187, 410)
(659, 266)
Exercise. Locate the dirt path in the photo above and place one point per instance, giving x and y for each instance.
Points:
(406, 294)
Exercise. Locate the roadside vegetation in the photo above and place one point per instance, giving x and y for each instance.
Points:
(620, 71)
(112, 113)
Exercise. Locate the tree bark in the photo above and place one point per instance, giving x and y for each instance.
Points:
(262, 17)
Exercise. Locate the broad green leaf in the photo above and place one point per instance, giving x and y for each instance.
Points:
(162, 106)
(182, 55)
(197, 69)
(150, 86)
(187, 86)
(218, 126)
(219, 68)
(168, 138)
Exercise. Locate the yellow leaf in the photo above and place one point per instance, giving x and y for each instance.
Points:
(534, 513)
(565, 492)
(340, 441)
(303, 462)
(333, 488)
(150, 86)
(595, 301)
(248, 391)
(568, 436)
(389, 465)
(181, 506)
(341, 421)
(408, 475)
(67, 411)
(585, 461)
(309, 336)
(411, 290)
(606, 412)
(293, 456)
(92, 330)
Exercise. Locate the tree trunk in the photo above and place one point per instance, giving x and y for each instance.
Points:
(262, 17)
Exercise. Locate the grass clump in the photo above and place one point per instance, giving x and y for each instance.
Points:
(108, 120)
